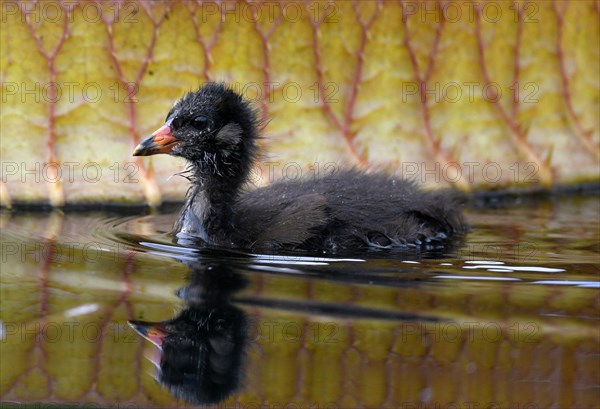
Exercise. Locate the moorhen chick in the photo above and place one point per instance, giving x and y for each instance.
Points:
(216, 130)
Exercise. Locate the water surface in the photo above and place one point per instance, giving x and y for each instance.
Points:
(508, 317)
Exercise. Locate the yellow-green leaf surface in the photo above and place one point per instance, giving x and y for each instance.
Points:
(479, 95)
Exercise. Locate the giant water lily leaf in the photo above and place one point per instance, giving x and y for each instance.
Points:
(476, 96)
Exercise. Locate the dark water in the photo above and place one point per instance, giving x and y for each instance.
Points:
(508, 318)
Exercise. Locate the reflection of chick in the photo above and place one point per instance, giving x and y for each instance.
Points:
(201, 352)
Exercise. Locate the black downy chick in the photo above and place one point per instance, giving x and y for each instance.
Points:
(216, 130)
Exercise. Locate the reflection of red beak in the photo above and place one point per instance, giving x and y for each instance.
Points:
(161, 141)
(154, 332)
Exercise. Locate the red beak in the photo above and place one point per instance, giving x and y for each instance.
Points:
(161, 141)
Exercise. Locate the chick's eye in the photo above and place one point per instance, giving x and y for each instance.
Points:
(201, 123)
